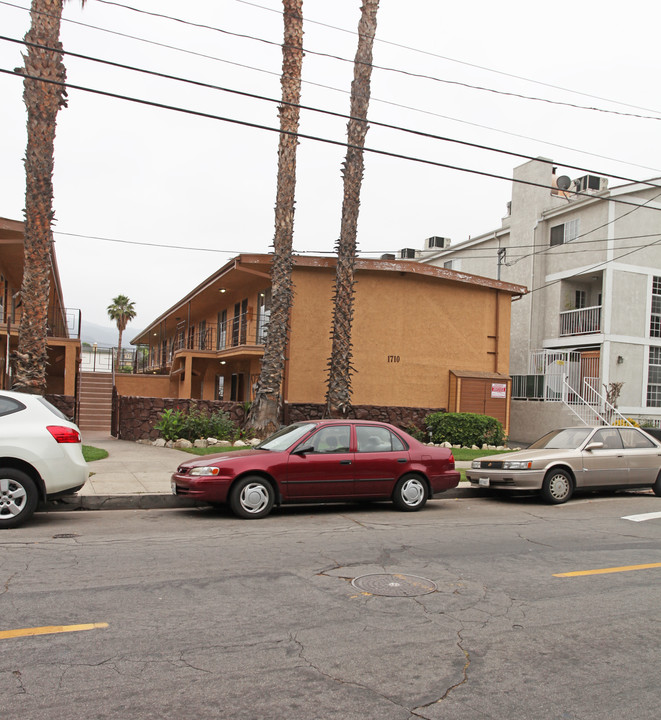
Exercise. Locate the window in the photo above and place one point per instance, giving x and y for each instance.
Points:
(222, 330)
(580, 301)
(220, 387)
(9, 406)
(634, 439)
(263, 315)
(377, 439)
(335, 439)
(655, 320)
(565, 233)
(610, 437)
(654, 378)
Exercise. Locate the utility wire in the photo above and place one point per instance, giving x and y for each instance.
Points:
(428, 53)
(310, 108)
(340, 90)
(166, 246)
(389, 69)
(596, 267)
(305, 136)
(589, 232)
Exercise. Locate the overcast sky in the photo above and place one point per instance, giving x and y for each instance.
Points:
(138, 174)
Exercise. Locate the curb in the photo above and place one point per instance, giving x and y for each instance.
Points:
(160, 501)
(145, 501)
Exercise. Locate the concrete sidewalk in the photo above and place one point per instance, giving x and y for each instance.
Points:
(138, 476)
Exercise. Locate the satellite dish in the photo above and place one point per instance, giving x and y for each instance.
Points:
(563, 182)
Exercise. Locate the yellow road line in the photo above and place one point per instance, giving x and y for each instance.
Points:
(49, 630)
(604, 571)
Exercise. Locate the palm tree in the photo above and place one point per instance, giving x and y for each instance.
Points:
(43, 101)
(122, 311)
(265, 411)
(340, 369)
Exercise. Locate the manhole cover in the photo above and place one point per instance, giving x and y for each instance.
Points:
(394, 585)
(65, 535)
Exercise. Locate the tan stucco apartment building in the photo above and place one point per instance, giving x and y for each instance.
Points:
(419, 332)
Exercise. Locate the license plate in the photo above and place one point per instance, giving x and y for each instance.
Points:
(483, 482)
(173, 485)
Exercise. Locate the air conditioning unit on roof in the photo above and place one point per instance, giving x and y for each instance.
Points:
(590, 183)
(435, 242)
(407, 254)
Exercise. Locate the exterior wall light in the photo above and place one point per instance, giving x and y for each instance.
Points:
(620, 359)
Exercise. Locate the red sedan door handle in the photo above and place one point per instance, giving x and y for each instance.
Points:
(345, 462)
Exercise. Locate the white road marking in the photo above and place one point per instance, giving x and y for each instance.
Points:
(644, 516)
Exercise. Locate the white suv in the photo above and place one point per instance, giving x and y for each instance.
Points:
(41, 456)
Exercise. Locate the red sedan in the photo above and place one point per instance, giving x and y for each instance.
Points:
(321, 461)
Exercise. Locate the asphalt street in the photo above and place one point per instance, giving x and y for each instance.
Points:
(192, 613)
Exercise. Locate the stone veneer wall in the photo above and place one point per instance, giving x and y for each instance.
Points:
(136, 416)
(64, 403)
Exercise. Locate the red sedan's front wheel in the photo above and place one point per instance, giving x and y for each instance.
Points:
(252, 497)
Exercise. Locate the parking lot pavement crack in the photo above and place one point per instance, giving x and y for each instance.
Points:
(5, 587)
(357, 522)
(19, 680)
(301, 655)
(464, 676)
(187, 664)
(533, 542)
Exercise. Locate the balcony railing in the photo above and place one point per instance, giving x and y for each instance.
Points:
(60, 323)
(580, 322)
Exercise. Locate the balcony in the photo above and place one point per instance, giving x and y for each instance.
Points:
(583, 321)
(235, 333)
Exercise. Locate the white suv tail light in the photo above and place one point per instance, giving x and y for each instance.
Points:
(64, 434)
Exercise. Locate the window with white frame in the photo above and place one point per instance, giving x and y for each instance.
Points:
(654, 378)
(565, 233)
(263, 314)
(655, 319)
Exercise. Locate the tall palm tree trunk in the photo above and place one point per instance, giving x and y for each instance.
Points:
(266, 409)
(340, 369)
(43, 102)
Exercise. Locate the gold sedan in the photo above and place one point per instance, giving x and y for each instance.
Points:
(576, 458)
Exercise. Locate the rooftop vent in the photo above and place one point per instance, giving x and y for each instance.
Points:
(388, 256)
(407, 254)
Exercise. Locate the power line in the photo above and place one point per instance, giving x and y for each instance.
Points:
(428, 53)
(408, 73)
(597, 266)
(166, 246)
(305, 136)
(341, 90)
(310, 108)
(589, 232)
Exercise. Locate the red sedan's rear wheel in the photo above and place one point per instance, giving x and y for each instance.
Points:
(410, 493)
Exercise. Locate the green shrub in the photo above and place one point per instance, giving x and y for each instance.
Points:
(175, 424)
(169, 424)
(221, 427)
(465, 429)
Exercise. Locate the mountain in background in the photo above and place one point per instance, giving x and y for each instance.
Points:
(105, 335)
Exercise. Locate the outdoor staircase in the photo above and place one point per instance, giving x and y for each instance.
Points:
(95, 408)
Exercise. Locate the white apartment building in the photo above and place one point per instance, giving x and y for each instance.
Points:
(590, 257)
